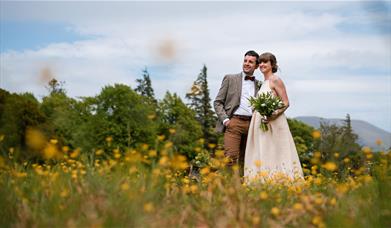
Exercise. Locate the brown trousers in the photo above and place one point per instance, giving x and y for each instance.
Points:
(235, 138)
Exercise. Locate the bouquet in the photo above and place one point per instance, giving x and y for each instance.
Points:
(266, 104)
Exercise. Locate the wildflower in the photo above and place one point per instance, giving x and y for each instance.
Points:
(263, 195)
(65, 149)
(346, 160)
(53, 141)
(75, 153)
(366, 150)
(172, 131)
(124, 186)
(50, 151)
(99, 152)
(161, 137)
(298, 206)
(35, 139)
(152, 153)
(256, 220)
(204, 171)
(275, 211)
(109, 139)
(316, 134)
(148, 207)
(145, 146)
(168, 145)
(317, 220)
(336, 155)
(333, 201)
(151, 116)
(219, 153)
(330, 166)
(64, 193)
(193, 188)
(211, 145)
(163, 161)
(179, 162)
(257, 163)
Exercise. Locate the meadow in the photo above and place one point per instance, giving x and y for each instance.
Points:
(153, 186)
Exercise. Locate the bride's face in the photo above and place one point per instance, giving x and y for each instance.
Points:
(265, 67)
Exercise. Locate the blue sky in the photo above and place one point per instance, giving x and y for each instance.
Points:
(334, 56)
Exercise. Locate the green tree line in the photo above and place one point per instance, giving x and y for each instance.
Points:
(121, 117)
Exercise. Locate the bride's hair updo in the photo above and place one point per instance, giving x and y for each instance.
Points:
(267, 56)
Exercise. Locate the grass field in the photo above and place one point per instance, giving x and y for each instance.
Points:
(151, 188)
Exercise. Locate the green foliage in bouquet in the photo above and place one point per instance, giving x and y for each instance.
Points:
(266, 104)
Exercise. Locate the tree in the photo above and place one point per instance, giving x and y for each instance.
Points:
(144, 87)
(117, 118)
(302, 136)
(200, 102)
(55, 86)
(18, 113)
(349, 138)
(174, 114)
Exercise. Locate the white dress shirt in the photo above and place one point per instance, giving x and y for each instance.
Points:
(248, 90)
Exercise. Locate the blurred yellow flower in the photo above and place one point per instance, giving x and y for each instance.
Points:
(211, 145)
(99, 152)
(148, 207)
(333, 201)
(152, 153)
(145, 146)
(263, 195)
(275, 211)
(161, 137)
(50, 151)
(346, 160)
(53, 141)
(219, 153)
(75, 153)
(109, 139)
(257, 163)
(330, 166)
(298, 206)
(316, 134)
(378, 142)
(256, 220)
(317, 220)
(172, 131)
(2, 137)
(204, 171)
(366, 149)
(124, 186)
(168, 145)
(35, 139)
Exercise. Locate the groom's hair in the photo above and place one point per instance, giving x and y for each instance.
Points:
(253, 53)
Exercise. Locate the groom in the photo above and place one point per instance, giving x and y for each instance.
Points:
(234, 111)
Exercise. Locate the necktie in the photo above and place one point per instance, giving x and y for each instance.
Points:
(249, 78)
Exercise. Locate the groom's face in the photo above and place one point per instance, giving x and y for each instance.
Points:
(249, 64)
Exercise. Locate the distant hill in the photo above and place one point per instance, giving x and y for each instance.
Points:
(367, 133)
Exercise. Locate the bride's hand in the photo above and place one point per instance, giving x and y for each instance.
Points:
(264, 120)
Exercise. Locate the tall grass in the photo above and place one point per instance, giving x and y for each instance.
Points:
(152, 188)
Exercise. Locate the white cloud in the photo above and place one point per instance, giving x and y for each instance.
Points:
(319, 61)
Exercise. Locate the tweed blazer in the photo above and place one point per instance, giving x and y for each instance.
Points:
(228, 98)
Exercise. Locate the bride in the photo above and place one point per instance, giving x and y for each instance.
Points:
(271, 154)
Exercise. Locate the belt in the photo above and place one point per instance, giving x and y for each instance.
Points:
(248, 118)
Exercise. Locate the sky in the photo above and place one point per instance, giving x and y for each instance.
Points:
(334, 56)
